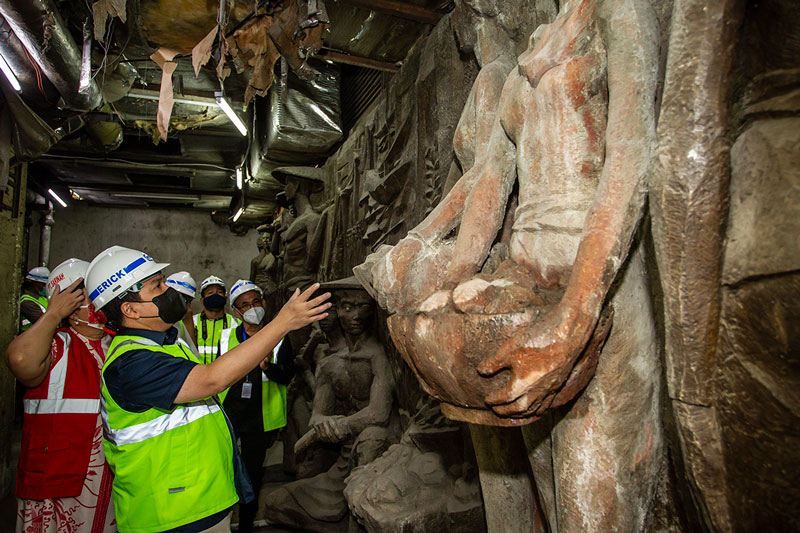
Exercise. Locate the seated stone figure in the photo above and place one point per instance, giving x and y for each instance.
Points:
(571, 143)
(353, 407)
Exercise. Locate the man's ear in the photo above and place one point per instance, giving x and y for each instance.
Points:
(129, 311)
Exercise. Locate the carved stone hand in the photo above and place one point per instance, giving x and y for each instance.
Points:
(541, 359)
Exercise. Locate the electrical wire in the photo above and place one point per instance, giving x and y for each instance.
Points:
(136, 163)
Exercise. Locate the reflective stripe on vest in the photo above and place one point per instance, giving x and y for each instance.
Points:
(153, 428)
(62, 406)
(273, 395)
(24, 322)
(55, 403)
(171, 467)
(208, 334)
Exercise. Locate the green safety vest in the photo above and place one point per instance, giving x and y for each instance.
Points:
(208, 334)
(170, 467)
(273, 395)
(41, 301)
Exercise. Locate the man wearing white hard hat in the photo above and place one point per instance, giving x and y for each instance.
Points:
(209, 323)
(32, 301)
(256, 404)
(184, 283)
(59, 358)
(165, 435)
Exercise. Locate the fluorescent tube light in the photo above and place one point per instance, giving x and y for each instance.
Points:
(156, 195)
(12, 79)
(239, 178)
(143, 94)
(238, 214)
(57, 198)
(226, 107)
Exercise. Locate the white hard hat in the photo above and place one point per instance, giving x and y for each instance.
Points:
(183, 282)
(38, 274)
(212, 280)
(242, 286)
(115, 270)
(66, 274)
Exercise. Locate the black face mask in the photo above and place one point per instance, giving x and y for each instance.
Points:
(214, 302)
(171, 306)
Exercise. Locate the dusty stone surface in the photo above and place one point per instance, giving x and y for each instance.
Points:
(426, 482)
(758, 379)
(765, 158)
(353, 410)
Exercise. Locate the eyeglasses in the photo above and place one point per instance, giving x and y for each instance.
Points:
(139, 285)
(244, 306)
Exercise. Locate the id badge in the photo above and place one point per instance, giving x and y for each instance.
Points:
(247, 390)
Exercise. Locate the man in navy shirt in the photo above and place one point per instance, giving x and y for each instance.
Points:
(129, 288)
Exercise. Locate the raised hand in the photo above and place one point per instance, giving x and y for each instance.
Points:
(63, 303)
(299, 311)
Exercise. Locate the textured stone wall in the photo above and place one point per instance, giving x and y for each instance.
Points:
(187, 240)
(11, 229)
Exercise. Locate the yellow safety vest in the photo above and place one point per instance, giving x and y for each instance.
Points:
(208, 334)
(41, 301)
(171, 468)
(273, 395)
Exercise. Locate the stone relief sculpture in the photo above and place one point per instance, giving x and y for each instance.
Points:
(327, 339)
(263, 267)
(353, 408)
(724, 200)
(574, 133)
(299, 260)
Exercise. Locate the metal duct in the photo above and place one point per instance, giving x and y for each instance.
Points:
(38, 24)
(304, 116)
(44, 239)
(17, 58)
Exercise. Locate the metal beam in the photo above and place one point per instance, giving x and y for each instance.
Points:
(347, 59)
(397, 9)
(128, 189)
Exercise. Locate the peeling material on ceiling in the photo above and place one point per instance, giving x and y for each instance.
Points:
(86, 75)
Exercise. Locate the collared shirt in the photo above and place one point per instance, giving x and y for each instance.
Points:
(144, 379)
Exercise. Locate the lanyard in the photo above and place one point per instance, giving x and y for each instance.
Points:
(244, 338)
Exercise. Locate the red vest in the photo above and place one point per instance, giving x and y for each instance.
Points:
(61, 417)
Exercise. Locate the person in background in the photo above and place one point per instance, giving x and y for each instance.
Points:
(166, 437)
(184, 283)
(63, 480)
(32, 301)
(210, 322)
(256, 404)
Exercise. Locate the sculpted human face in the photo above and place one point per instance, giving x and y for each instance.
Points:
(291, 189)
(355, 309)
(330, 322)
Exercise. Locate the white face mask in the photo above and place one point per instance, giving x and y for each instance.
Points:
(254, 315)
(92, 314)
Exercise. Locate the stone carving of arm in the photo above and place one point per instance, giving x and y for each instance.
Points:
(541, 356)
(394, 285)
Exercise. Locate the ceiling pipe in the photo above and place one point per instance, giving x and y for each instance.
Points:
(38, 24)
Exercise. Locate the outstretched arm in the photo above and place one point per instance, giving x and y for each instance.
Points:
(542, 357)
